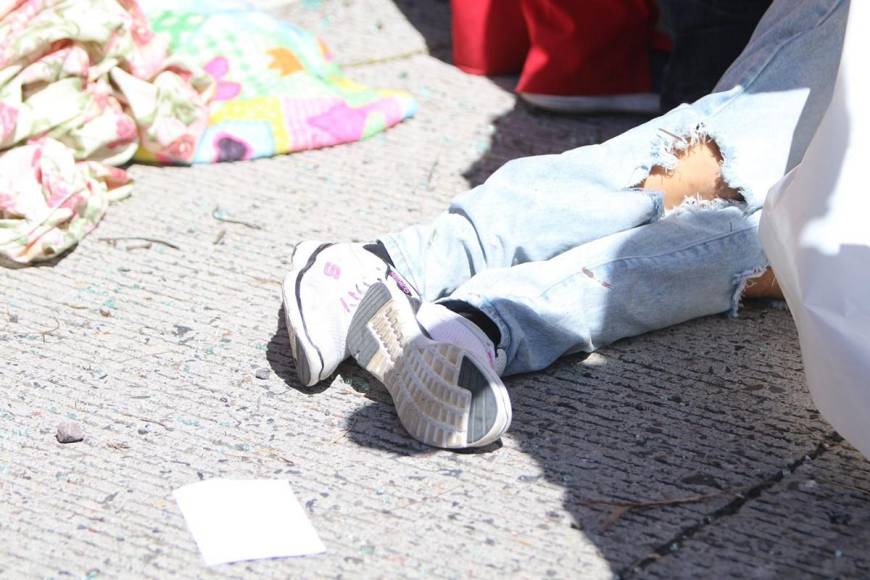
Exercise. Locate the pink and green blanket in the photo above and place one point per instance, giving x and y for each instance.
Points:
(88, 85)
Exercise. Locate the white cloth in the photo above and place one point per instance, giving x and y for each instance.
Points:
(816, 233)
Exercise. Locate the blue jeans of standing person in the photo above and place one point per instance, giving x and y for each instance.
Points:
(565, 254)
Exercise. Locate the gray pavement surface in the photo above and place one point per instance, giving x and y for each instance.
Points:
(688, 453)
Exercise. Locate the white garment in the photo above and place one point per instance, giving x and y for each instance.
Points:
(816, 232)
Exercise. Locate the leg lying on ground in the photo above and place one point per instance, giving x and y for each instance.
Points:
(441, 370)
(529, 210)
(687, 265)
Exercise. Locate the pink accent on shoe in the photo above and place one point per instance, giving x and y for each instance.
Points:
(403, 286)
(332, 270)
(352, 298)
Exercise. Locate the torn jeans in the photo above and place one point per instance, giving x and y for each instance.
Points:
(566, 254)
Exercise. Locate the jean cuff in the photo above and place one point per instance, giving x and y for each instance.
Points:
(492, 313)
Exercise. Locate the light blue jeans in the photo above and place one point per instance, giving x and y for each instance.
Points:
(566, 254)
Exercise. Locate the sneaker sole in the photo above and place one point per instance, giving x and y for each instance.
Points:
(444, 396)
(634, 104)
(308, 359)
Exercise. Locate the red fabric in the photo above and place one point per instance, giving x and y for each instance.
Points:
(589, 47)
(489, 36)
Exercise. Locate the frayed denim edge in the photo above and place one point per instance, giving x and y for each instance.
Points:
(669, 142)
(696, 203)
(741, 280)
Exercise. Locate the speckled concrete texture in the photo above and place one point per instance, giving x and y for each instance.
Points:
(692, 452)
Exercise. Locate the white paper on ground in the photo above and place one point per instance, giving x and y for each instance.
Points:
(816, 232)
(233, 520)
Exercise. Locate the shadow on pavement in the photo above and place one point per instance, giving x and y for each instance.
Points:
(279, 355)
(431, 18)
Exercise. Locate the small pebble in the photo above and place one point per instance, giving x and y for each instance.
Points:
(808, 485)
(262, 374)
(181, 330)
(105, 312)
(69, 433)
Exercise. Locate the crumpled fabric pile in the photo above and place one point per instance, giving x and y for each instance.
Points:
(88, 85)
(83, 85)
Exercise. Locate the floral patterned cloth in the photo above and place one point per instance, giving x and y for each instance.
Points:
(87, 84)
(278, 89)
(83, 85)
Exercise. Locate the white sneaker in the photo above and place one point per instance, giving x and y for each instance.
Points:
(440, 369)
(321, 294)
